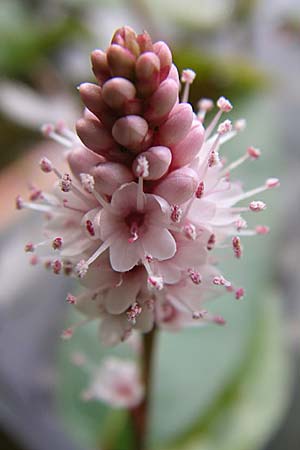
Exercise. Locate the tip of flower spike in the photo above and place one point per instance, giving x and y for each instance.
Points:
(257, 206)
(46, 165)
(224, 104)
(224, 127)
(88, 182)
(188, 76)
(253, 152)
(81, 268)
(272, 183)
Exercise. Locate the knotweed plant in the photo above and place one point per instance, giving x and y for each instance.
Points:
(143, 204)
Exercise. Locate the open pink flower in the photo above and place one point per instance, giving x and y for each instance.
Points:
(136, 224)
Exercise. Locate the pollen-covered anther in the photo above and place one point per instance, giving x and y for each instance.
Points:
(224, 104)
(71, 299)
(90, 227)
(272, 183)
(142, 168)
(221, 281)
(29, 247)
(200, 314)
(205, 104)
(195, 276)
(46, 165)
(239, 293)
(213, 159)
(67, 333)
(19, 202)
(253, 152)
(176, 213)
(240, 125)
(81, 268)
(262, 229)
(200, 190)
(88, 182)
(155, 282)
(224, 127)
(188, 76)
(133, 312)
(56, 266)
(190, 232)
(257, 206)
(211, 242)
(57, 243)
(65, 182)
(237, 247)
(219, 320)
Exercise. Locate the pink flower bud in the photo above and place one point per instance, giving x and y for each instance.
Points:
(81, 160)
(130, 131)
(162, 101)
(91, 95)
(177, 125)
(126, 37)
(100, 66)
(94, 135)
(186, 150)
(145, 42)
(178, 186)
(159, 159)
(117, 91)
(161, 49)
(109, 176)
(121, 61)
(174, 75)
(147, 73)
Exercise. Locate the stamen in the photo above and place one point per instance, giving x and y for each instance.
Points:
(239, 293)
(133, 312)
(57, 243)
(224, 106)
(211, 242)
(71, 299)
(262, 229)
(200, 190)
(204, 105)
(190, 232)
(176, 213)
(82, 267)
(49, 131)
(237, 247)
(88, 182)
(66, 183)
(46, 165)
(29, 247)
(200, 314)
(221, 281)
(155, 282)
(257, 206)
(134, 233)
(142, 168)
(56, 266)
(90, 227)
(195, 276)
(187, 77)
(140, 200)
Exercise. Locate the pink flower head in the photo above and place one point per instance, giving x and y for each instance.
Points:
(147, 197)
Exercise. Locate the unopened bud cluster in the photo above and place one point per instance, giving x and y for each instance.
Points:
(148, 197)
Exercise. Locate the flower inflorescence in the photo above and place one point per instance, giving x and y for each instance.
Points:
(147, 197)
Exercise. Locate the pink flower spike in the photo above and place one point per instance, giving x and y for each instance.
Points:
(224, 105)
(272, 183)
(257, 206)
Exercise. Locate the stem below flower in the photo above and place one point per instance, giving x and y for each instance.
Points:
(140, 414)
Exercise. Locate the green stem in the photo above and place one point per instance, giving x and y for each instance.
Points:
(140, 414)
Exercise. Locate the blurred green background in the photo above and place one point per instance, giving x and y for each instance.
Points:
(232, 388)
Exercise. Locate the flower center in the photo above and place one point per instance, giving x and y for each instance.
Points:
(134, 221)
